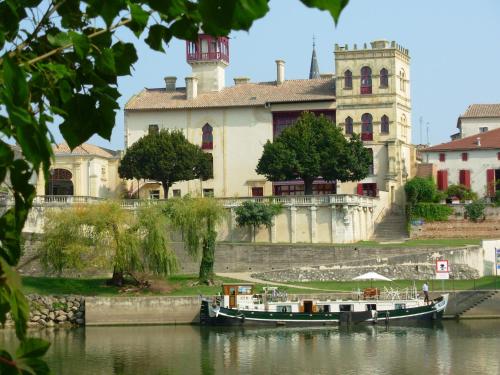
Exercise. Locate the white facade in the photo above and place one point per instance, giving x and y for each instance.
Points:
(471, 126)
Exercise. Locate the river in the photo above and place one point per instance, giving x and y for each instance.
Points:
(451, 348)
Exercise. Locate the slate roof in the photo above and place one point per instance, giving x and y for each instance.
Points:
(84, 149)
(488, 140)
(482, 110)
(241, 95)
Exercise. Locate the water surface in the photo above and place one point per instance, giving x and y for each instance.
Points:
(454, 348)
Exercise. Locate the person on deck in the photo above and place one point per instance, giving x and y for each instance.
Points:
(425, 289)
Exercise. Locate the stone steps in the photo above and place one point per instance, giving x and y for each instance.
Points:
(391, 228)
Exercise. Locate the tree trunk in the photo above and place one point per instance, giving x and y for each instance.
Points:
(165, 185)
(117, 278)
(308, 185)
(206, 275)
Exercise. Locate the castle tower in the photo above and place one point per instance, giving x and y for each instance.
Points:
(373, 100)
(208, 57)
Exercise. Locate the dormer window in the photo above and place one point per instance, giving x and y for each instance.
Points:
(207, 140)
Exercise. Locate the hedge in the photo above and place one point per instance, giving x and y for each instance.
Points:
(430, 211)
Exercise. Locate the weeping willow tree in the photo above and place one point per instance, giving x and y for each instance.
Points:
(106, 235)
(197, 219)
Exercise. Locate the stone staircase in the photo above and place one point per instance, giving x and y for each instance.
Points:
(467, 301)
(392, 228)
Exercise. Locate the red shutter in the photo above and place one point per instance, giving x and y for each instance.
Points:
(465, 156)
(360, 189)
(465, 178)
(490, 182)
(442, 177)
(461, 177)
(442, 157)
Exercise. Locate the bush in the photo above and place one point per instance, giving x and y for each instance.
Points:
(430, 211)
(462, 192)
(475, 210)
(255, 214)
(420, 189)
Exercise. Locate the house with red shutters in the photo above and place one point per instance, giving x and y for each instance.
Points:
(473, 161)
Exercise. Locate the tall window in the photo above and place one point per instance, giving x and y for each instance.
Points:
(384, 124)
(153, 129)
(402, 80)
(349, 129)
(384, 78)
(371, 169)
(348, 79)
(367, 127)
(366, 80)
(207, 140)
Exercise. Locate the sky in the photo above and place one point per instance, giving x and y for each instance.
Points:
(454, 47)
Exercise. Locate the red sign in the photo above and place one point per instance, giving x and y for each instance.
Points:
(442, 266)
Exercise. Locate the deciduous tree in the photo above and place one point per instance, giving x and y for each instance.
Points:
(314, 147)
(256, 214)
(167, 157)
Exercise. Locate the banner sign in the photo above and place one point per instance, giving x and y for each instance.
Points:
(442, 266)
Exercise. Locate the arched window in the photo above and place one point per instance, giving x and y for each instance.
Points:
(367, 127)
(384, 124)
(348, 126)
(384, 78)
(348, 79)
(59, 183)
(207, 140)
(366, 80)
(402, 80)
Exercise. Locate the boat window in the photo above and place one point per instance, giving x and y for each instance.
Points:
(400, 306)
(345, 308)
(284, 308)
(324, 308)
(244, 289)
(371, 306)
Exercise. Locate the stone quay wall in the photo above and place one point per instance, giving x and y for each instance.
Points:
(54, 311)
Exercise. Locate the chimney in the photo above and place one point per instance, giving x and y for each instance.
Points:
(191, 87)
(280, 72)
(478, 141)
(241, 80)
(170, 83)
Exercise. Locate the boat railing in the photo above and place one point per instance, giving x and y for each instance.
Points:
(387, 294)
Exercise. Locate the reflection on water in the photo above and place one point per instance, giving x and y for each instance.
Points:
(454, 348)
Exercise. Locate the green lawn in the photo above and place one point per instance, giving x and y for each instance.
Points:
(185, 285)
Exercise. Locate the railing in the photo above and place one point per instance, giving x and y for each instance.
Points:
(207, 56)
(298, 200)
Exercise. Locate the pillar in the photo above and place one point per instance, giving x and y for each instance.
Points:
(314, 235)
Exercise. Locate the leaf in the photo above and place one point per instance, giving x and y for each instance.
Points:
(16, 88)
(139, 19)
(335, 7)
(81, 43)
(59, 40)
(108, 9)
(105, 62)
(157, 33)
(125, 56)
(32, 347)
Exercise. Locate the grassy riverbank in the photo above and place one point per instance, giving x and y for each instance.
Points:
(185, 285)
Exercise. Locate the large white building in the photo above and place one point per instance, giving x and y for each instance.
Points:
(473, 161)
(369, 95)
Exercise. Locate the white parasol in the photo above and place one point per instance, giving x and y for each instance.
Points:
(372, 276)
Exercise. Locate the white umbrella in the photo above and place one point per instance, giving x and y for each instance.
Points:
(372, 276)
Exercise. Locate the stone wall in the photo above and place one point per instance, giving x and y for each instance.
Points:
(54, 311)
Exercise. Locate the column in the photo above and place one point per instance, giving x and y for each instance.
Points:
(293, 224)
(314, 235)
(273, 230)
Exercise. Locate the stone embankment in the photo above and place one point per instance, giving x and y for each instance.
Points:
(340, 273)
(50, 311)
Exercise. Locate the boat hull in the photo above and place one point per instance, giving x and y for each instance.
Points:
(230, 317)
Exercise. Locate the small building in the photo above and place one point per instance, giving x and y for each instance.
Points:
(88, 170)
(478, 118)
(472, 161)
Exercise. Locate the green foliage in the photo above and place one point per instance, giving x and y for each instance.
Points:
(167, 157)
(256, 214)
(475, 210)
(462, 192)
(420, 189)
(430, 211)
(197, 218)
(61, 59)
(59, 306)
(105, 234)
(314, 147)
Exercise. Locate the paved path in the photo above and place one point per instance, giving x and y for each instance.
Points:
(247, 276)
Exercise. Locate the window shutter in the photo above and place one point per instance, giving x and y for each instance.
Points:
(490, 182)
(442, 177)
(465, 178)
(360, 189)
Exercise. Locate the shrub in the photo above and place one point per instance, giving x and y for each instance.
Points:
(255, 214)
(420, 189)
(475, 210)
(430, 211)
(462, 192)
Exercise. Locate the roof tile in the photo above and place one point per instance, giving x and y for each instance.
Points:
(482, 110)
(84, 149)
(488, 140)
